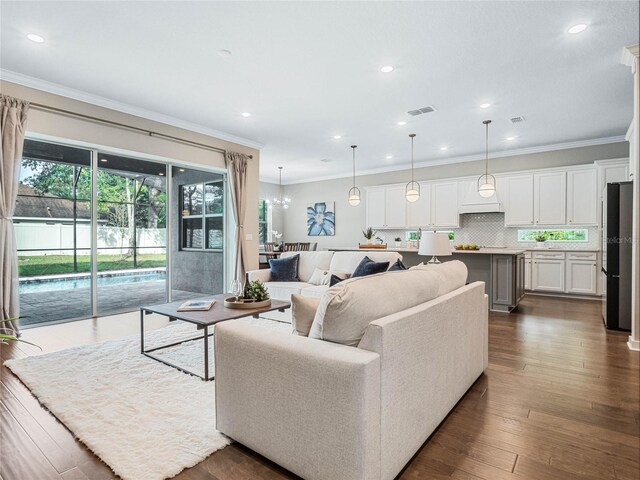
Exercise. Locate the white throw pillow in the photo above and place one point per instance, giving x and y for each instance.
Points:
(320, 277)
(346, 309)
(323, 277)
(303, 311)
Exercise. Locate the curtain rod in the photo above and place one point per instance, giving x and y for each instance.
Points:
(46, 108)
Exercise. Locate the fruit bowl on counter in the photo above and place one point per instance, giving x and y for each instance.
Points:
(466, 246)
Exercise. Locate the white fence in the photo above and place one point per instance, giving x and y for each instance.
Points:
(58, 238)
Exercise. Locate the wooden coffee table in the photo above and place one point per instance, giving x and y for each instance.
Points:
(203, 320)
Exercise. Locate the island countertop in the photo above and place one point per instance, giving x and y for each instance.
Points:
(482, 251)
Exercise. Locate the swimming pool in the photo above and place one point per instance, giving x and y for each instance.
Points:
(84, 281)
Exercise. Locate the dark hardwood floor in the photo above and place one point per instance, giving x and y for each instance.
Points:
(560, 400)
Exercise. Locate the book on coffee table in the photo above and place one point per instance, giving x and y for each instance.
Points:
(196, 305)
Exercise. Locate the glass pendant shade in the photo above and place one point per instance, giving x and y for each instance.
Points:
(354, 192)
(412, 190)
(486, 182)
(354, 196)
(486, 185)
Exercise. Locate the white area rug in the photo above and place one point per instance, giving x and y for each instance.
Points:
(146, 420)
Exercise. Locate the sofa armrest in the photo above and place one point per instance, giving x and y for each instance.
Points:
(263, 275)
(311, 406)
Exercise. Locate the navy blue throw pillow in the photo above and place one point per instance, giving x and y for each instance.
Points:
(369, 267)
(284, 269)
(334, 279)
(397, 266)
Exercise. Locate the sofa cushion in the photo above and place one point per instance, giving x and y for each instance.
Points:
(369, 267)
(309, 261)
(348, 261)
(346, 309)
(315, 291)
(453, 274)
(335, 279)
(284, 269)
(284, 290)
(303, 311)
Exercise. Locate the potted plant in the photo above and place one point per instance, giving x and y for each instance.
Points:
(369, 233)
(398, 241)
(540, 239)
(255, 291)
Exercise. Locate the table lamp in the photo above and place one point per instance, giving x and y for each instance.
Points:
(434, 244)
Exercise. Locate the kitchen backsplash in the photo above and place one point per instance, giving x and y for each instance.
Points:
(488, 230)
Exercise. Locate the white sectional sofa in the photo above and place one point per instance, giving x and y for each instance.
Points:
(327, 411)
(342, 262)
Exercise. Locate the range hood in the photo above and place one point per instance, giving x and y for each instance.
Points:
(472, 202)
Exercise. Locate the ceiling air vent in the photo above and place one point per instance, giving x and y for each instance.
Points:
(420, 111)
(516, 119)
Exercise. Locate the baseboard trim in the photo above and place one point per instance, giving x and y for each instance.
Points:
(633, 344)
(565, 295)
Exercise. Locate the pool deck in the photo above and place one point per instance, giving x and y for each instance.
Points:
(60, 305)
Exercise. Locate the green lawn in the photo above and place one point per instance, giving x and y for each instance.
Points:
(59, 264)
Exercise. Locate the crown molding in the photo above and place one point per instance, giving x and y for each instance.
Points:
(629, 55)
(463, 159)
(57, 89)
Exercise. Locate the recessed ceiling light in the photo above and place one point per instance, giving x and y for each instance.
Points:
(444, 147)
(386, 69)
(224, 52)
(34, 37)
(401, 123)
(580, 27)
(246, 114)
(485, 105)
(389, 157)
(511, 138)
(337, 137)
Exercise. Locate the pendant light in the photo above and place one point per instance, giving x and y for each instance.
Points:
(486, 182)
(412, 190)
(280, 201)
(354, 192)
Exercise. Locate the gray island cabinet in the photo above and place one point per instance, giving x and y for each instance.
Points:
(501, 270)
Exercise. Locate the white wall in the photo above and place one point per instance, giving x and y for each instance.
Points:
(350, 221)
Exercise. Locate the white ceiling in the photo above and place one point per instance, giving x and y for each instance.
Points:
(311, 70)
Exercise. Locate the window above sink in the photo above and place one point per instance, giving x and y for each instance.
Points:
(554, 235)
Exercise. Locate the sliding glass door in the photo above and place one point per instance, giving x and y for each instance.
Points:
(99, 233)
(53, 232)
(131, 233)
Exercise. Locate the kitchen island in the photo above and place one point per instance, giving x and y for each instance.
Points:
(501, 270)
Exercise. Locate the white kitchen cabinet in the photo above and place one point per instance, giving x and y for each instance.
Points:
(518, 200)
(396, 207)
(582, 276)
(444, 205)
(419, 212)
(550, 196)
(582, 197)
(547, 271)
(376, 207)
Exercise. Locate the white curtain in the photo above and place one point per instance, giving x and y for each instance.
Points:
(237, 170)
(12, 127)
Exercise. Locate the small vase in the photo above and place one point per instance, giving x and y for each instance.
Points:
(398, 244)
(540, 244)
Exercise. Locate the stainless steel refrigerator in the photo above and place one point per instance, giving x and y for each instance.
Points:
(617, 208)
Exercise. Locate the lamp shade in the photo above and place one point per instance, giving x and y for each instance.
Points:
(434, 244)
